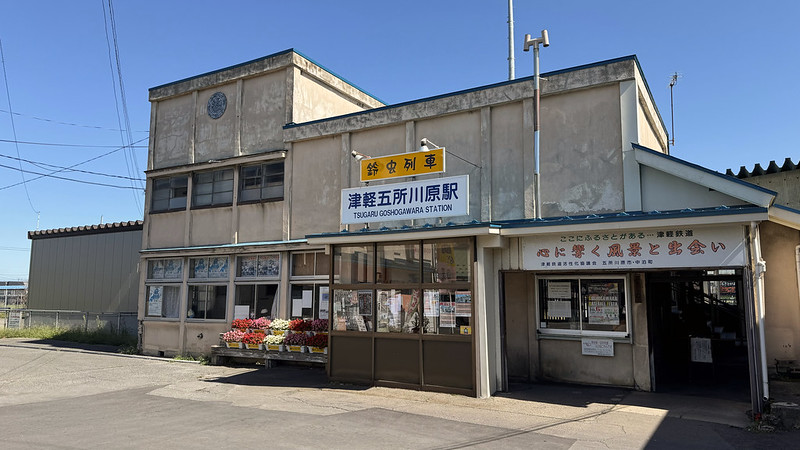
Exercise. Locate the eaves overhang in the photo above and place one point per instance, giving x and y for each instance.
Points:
(783, 215)
(638, 219)
(224, 248)
(386, 234)
(694, 173)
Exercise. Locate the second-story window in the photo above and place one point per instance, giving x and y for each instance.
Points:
(213, 188)
(262, 182)
(169, 194)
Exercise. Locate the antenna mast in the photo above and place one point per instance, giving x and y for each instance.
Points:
(510, 40)
(672, 82)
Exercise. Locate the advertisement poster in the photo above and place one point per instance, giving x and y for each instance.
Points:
(602, 300)
(172, 269)
(463, 304)
(269, 265)
(447, 314)
(157, 272)
(155, 301)
(431, 303)
(218, 268)
(365, 303)
(247, 266)
(200, 270)
(324, 301)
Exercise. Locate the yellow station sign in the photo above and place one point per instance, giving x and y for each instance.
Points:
(402, 165)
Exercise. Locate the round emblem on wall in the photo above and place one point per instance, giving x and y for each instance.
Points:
(216, 105)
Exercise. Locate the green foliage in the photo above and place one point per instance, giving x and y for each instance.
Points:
(202, 359)
(103, 337)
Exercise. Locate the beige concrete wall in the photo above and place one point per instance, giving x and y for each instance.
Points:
(260, 222)
(263, 112)
(166, 230)
(161, 336)
(782, 300)
(313, 100)
(173, 131)
(508, 171)
(199, 337)
(647, 134)
(562, 360)
(581, 156)
(211, 226)
(682, 193)
(216, 138)
(786, 184)
(316, 185)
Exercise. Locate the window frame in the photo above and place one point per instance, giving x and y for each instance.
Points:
(263, 182)
(189, 289)
(213, 173)
(581, 332)
(171, 191)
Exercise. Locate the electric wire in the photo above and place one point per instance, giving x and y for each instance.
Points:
(56, 144)
(40, 165)
(13, 127)
(70, 179)
(74, 165)
(58, 122)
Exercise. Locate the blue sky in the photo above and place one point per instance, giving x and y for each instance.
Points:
(735, 101)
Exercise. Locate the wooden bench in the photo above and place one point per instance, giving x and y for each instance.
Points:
(220, 354)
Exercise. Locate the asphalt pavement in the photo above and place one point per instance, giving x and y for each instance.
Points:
(59, 395)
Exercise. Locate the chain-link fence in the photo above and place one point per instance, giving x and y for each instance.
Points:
(122, 322)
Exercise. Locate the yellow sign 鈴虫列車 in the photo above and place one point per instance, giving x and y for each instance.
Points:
(402, 165)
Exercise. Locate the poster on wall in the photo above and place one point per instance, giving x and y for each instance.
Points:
(269, 265)
(218, 267)
(365, 303)
(701, 350)
(447, 314)
(602, 299)
(644, 248)
(157, 270)
(559, 290)
(597, 347)
(558, 309)
(463, 304)
(431, 307)
(172, 269)
(155, 301)
(247, 266)
(324, 301)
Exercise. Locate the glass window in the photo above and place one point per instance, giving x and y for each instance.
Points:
(260, 298)
(309, 264)
(267, 265)
(165, 269)
(207, 302)
(398, 263)
(263, 182)
(210, 267)
(305, 301)
(594, 304)
(398, 311)
(169, 193)
(447, 261)
(352, 310)
(354, 264)
(212, 188)
(447, 311)
(163, 301)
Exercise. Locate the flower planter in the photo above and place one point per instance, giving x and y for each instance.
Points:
(323, 350)
(234, 344)
(255, 346)
(296, 348)
(276, 348)
(278, 332)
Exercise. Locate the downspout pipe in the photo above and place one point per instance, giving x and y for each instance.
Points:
(759, 268)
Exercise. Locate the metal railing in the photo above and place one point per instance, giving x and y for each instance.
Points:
(120, 322)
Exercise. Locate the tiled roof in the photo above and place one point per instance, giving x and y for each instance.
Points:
(87, 229)
(773, 167)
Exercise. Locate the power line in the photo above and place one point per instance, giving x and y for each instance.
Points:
(40, 164)
(58, 122)
(53, 144)
(69, 179)
(13, 127)
(74, 165)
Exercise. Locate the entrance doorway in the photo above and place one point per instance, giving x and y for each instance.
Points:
(697, 327)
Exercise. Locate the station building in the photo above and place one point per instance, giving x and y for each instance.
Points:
(451, 267)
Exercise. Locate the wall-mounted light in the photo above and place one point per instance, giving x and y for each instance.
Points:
(359, 156)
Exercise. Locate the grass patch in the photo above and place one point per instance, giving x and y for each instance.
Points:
(202, 359)
(71, 335)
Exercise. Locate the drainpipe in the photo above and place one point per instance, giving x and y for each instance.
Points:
(759, 267)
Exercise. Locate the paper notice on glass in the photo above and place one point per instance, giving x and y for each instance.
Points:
(241, 312)
(447, 314)
(308, 298)
(463, 304)
(701, 350)
(323, 302)
(155, 301)
(559, 289)
(604, 313)
(559, 308)
(362, 326)
(431, 303)
(297, 307)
